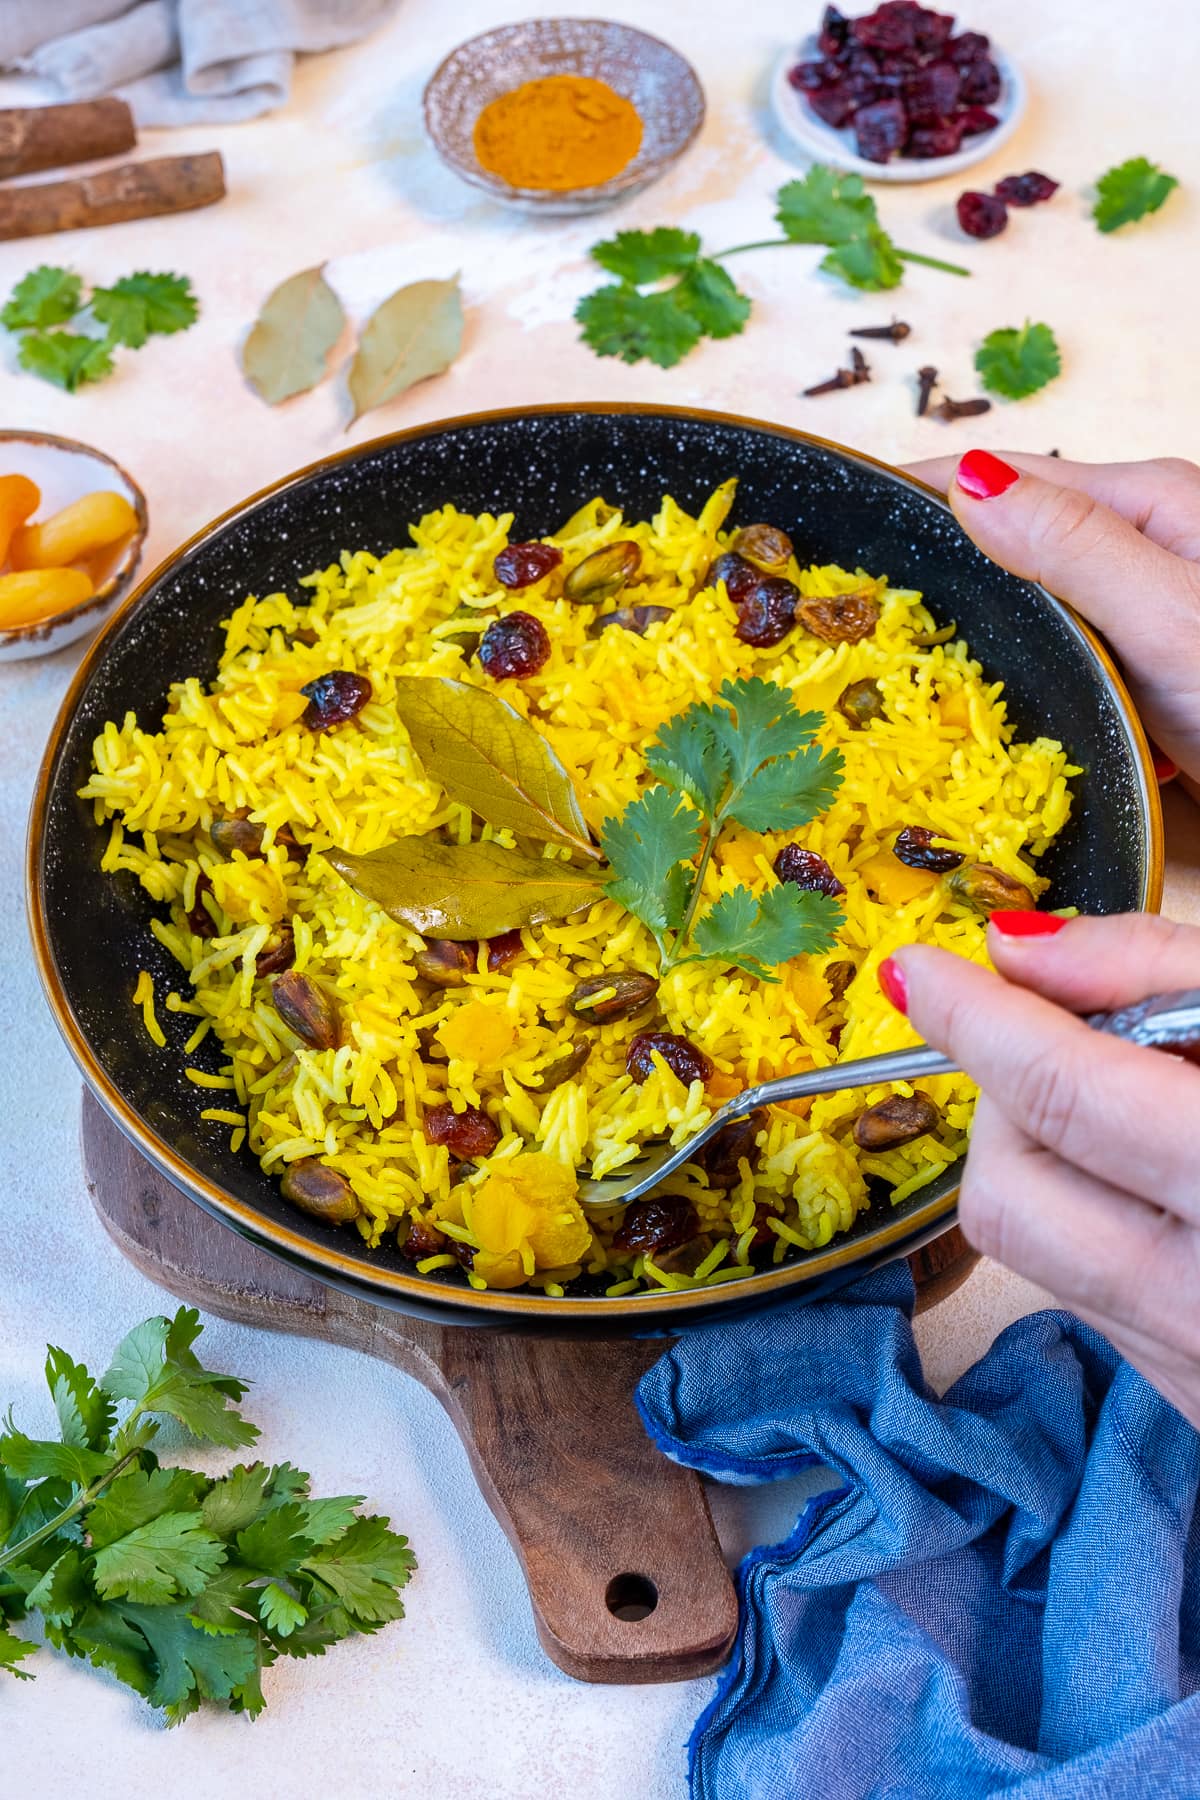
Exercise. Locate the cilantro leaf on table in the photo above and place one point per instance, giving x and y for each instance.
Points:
(85, 1411)
(66, 358)
(1129, 192)
(1017, 363)
(364, 1568)
(163, 1559)
(46, 296)
(13, 1650)
(757, 933)
(638, 257)
(281, 1611)
(868, 262)
(826, 207)
(622, 321)
(143, 304)
(709, 293)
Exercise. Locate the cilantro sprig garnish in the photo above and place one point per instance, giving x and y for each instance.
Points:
(184, 1587)
(1017, 362)
(746, 757)
(133, 309)
(669, 294)
(1129, 192)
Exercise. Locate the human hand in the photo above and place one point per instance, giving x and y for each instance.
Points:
(1120, 542)
(1082, 1171)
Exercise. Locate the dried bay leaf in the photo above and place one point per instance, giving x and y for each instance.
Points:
(299, 324)
(414, 334)
(487, 756)
(462, 891)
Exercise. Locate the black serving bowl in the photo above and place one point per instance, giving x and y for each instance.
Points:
(90, 931)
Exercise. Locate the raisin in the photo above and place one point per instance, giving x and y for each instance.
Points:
(561, 1069)
(895, 1121)
(321, 1192)
(422, 1239)
(722, 1157)
(445, 964)
(334, 698)
(764, 546)
(503, 951)
(616, 996)
(880, 130)
(637, 619)
(981, 215)
(738, 575)
(655, 1225)
(466, 1134)
(931, 93)
(200, 921)
(843, 619)
(768, 612)
(1025, 190)
(981, 83)
(514, 646)
(975, 119)
(273, 958)
(680, 1055)
(805, 869)
(603, 574)
(520, 565)
(307, 1009)
(861, 702)
(915, 846)
(839, 975)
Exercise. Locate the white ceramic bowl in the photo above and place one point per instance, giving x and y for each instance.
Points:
(825, 143)
(65, 471)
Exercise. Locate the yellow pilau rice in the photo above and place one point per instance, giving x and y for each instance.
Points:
(942, 757)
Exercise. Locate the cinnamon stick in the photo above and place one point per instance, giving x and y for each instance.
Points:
(138, 190)
(47, 137)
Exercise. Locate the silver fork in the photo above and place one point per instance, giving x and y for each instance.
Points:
(1169, 1022)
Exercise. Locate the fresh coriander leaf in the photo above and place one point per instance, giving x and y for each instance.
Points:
(825, 207)
(619, 321)
(716, 304)
(143, 304)
(86, 1413)
(64, 1589)
(280, 1611)
(759, 934)
(237, 1499)
(641, 256)
(188, 1660)
(1016, 363)
(788, 793)
(868, 262)
(363, 1568)
(65, 358)
(1129, 192)
(46, 296)
(155, 1368)
(32, 1459)
(759, 720)
(228, 1602)
(325, 1520)
(12, 1651)
(104, 1637)
(12, 1493)
(286, 1483)
(138, 1496)
(687, 755)
(155, 1562)
(276, 1542)
(647, 848)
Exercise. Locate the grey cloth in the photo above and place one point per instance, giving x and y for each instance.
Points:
(178, 62)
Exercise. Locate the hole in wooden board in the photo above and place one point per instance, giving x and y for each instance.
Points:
(631, 1597)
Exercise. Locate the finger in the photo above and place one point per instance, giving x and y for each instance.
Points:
(1117, 1110)
(1096, 965)
(1160, 498)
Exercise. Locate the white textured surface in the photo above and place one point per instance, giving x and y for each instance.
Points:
(457, 1702)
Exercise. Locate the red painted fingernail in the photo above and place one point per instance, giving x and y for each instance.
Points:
(983, 475)
(893, 983)
(1164, 769)
(1026, 924)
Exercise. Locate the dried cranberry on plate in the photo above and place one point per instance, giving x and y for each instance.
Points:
(520, 565)
(805, 869)
(466, 1134)
(334, 699)
(736, 572)
(1025, 190)
(768, 612)
(514, 646)
(976, 119)
(880, 130)
(679, 1053)
(942, 139)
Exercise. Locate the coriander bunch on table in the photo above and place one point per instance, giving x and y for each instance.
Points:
(183, 1586)
(132, 310)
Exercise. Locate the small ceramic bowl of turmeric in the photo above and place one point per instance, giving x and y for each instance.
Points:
(72, 528)
(563, 115)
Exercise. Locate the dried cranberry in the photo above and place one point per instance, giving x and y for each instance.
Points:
(861, 78)
(514, 646)
(981, 83)
(981, 215)
(334, 698)
(466, 1134)
(931, 93)
(520, 565)
(975, 119)
(933, 29)
(768, 612)
(738, 575)
(724, 1154)
(200, 921)
(968, 47)
(890, 27)
(880, 130)
(503, 950)
(835, 29)
(942, 139)
(655, 1225)
(807, 76)
(914, 846)
(679, 1053)
(421, 1240)
(833, 104)
(805, 869)
(1025, 190)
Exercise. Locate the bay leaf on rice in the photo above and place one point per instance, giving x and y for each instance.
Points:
(415, 333)
(300, 322)
(489, 758)
(461, 891)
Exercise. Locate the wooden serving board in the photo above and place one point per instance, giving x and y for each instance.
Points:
(625, 1574)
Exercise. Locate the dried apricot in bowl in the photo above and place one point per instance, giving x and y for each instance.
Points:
(28, 596)
(88, 524)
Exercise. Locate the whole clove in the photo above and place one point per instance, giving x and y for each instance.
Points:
(926, 382)
(860, 370)
(1054, 453)
(962, 409)
(895, 333)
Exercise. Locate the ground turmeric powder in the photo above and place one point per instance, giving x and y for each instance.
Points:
(558, 132)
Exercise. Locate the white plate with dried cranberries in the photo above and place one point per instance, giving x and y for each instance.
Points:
(897, 95)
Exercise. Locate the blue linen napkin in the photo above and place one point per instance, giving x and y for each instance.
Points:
(1002, 1596)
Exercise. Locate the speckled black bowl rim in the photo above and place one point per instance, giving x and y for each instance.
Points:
(650, 1313)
